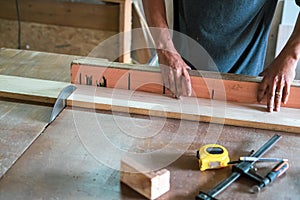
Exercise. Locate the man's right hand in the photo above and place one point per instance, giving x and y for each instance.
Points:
(174, 73)
(173, 69)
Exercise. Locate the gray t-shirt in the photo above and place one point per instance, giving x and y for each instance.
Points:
(233, 32)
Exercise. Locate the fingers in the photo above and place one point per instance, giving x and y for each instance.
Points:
(183, 82)
(165, 75)
(286, 93)
(262, 89)
(187, 82)
(172, 83)
(271, 98)
(177, 81)
(276, 93)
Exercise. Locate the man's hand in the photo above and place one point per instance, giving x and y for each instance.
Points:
(276, 83)
(174, 73)
(279, 76)
(173, 69)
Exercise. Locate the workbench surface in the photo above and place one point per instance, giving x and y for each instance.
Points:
(62, 165)
(65, 162)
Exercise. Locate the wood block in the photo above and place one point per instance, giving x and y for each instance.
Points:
(148, 183)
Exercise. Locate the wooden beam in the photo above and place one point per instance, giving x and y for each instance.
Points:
(148, 183)
(125, 17)
(75, 14)
(187, 108)
(209, 85)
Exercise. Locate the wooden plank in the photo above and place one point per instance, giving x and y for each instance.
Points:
(27, 89)
(187, 108)
(125, 17)
(209, 85)
(125, 30)
(75, 14)
(151, 184)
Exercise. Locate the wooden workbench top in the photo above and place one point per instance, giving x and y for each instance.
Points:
(63, 163)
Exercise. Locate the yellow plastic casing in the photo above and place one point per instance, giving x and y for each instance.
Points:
(212, 156)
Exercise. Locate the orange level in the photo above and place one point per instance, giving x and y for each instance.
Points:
(209, 85)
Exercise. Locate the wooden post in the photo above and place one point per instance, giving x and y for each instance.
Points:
(125, 18)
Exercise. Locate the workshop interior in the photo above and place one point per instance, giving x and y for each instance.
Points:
(85, 111)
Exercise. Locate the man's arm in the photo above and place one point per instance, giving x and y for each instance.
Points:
(174, 70)
(279, 76)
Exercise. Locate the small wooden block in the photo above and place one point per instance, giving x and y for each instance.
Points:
(148, 183)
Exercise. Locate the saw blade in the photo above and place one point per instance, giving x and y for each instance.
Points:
(60, 102)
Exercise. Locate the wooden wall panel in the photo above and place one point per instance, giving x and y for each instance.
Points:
(84, 15)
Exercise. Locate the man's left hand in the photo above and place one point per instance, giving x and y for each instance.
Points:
(276, 83)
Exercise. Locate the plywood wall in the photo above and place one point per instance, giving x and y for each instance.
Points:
(51, 38)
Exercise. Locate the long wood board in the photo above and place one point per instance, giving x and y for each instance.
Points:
(187, 108)
(27, 89)
(129, 101)
(209, 85)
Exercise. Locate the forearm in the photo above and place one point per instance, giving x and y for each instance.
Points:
(279, 76)
(155, 12)
(292, 47)
(174, 72)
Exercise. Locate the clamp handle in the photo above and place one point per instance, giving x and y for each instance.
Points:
(276, 172)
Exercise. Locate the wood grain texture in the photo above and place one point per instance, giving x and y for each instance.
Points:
(209, 85)
(20, 125)
(84, 15)
(27, 89)
(35, 64)
(125, 17)
(54, 38)
(187, 108)
(151, 184)
(59, 165)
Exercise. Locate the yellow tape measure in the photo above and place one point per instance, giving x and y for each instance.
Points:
(212, 156)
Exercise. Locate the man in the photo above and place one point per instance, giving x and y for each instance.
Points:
(235, 34)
